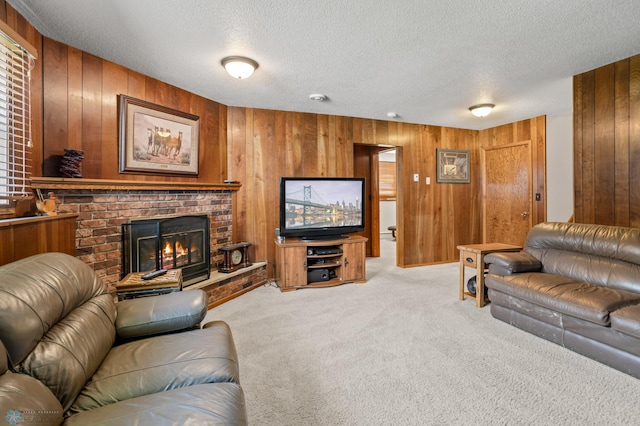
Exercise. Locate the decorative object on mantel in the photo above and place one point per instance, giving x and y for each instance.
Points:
(70, 164)
(157, 139)
(236, 256)
(46, 206)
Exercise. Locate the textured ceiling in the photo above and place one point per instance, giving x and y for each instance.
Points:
(426, 60)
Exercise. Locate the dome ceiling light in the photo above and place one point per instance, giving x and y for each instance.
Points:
(318, 97)
(481, 110)
(239, 67)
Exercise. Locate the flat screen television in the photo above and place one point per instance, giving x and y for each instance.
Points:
(316, 208)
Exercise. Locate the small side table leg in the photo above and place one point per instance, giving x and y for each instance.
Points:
(461, 275)
(480, 281)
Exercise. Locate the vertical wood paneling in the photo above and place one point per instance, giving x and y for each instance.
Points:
(92, 165)
(578, 207)
(74, 87)
(114, 81)
(136, 85)
(634, 141)
(237, 124)
(3, 11)
(245, 210)
(325, 165)
(621, 143)
(81, 111)
(588, 132)
(263, 221)
(311, 145)
(604, 152)
(607, 144)
(56, 120)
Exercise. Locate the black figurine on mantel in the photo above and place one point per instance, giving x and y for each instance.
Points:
(70, 165)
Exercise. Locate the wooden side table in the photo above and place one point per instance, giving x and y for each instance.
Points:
(472, 255)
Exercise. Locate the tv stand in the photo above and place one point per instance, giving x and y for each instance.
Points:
(320, 263)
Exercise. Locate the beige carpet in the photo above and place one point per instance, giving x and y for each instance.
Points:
(403, 350)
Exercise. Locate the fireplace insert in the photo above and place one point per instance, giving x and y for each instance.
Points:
(168, 243)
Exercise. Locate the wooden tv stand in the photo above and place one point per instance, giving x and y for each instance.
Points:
(308, 264)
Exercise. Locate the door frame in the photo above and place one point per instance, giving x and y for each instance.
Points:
(372, 227)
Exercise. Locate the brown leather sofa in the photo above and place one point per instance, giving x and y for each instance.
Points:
(577, 285)
(70, 355)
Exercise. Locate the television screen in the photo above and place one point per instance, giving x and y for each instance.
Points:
(321, 207)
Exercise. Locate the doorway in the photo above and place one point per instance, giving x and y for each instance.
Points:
(368, 164)
(387, 189)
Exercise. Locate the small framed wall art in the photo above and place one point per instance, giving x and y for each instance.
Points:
(155, 139)
(452, 166)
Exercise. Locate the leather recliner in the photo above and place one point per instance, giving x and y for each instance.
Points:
(70, 354)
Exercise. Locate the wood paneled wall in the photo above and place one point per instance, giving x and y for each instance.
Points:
(606, 136)
(81, 112)
(264, 145)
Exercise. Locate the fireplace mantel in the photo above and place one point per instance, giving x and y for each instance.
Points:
(126, 185)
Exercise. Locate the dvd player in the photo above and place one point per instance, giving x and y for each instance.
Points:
(326, 250)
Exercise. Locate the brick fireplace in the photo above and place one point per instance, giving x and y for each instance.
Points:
(103, 212)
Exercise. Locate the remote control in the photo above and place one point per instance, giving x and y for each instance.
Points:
(154, 274)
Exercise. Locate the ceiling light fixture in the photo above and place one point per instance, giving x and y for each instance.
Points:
(318, 97)
(481, 110)
(239, 67)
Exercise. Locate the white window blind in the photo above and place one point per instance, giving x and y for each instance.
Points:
(15, 120)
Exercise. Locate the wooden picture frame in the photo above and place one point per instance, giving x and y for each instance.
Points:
(156, 139)
(452, 166)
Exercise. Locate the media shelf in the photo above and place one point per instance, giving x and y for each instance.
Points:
(327, 263)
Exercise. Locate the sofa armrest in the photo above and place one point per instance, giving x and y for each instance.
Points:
(166, 313)
(512, 263)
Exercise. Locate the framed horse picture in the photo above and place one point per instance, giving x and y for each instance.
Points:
(156, 139)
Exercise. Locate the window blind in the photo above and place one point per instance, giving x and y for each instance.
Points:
(15, 120)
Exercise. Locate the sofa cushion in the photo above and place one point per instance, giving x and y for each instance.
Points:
(161, 314)
(204, 404)
(161, 363)
(608, 256)
(627, 320)
(511, 263)
(565, 295)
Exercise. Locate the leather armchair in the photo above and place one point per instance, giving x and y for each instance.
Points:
(71, 350)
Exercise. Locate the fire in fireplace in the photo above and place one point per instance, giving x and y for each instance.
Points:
(168, 243)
